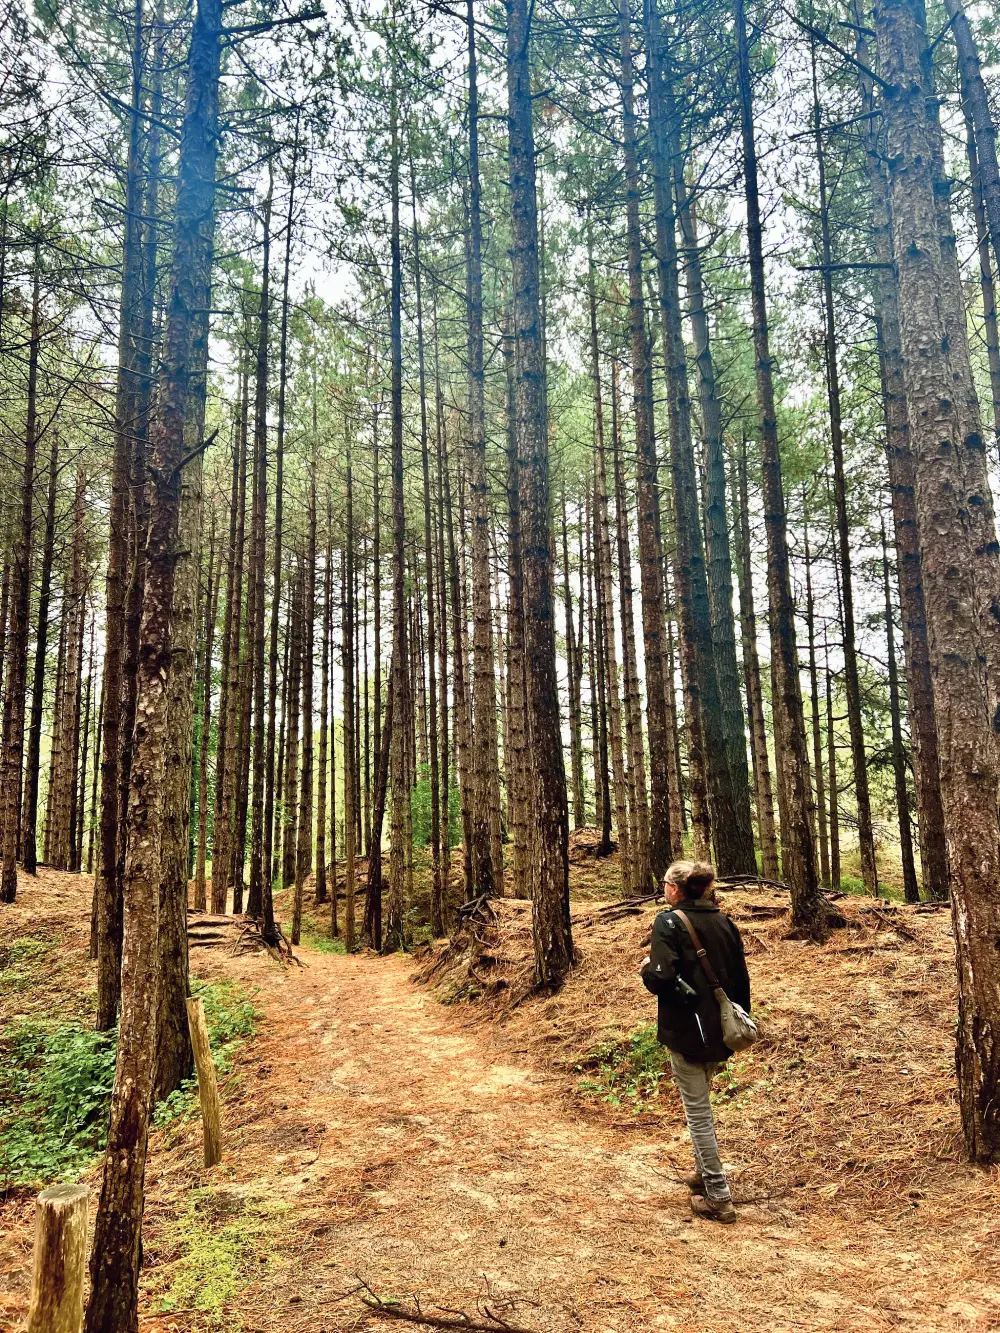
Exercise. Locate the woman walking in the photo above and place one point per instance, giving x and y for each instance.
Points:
(691, 933)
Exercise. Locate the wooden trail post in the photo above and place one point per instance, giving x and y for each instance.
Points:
(208, 1092)
(60, 1260)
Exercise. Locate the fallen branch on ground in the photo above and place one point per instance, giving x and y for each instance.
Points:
(744, 881)
(458, 1319)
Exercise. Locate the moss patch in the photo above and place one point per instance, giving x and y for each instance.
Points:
(223, 1245)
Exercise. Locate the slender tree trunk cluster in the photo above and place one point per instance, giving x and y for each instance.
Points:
(527, 537)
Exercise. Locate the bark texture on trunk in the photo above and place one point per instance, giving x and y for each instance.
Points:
(487, 854)
(113, 1306)
(977, 101)
(901, 464)
(948, 457)
(792, 756)
(650, 540)
(29, 819)
(15, 685)
(553, 943)
(728, 779)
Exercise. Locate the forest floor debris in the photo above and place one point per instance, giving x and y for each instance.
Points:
(436, 1152)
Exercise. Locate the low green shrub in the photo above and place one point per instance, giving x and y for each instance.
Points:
(625, 1070)
(56, 1082)
(55, 1086)
(230, 1017)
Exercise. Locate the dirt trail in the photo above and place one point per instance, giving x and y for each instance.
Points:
(410, 1153)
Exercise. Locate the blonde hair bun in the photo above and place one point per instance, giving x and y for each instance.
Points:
(693, 878)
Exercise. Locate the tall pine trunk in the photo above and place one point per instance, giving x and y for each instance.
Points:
(901, 464)
(939, 399)
(650, 539)
(852, 683)
(791, 753)
(29, 819)
(113, 1306)
(12, 739)
(553, 945)
(729, 790)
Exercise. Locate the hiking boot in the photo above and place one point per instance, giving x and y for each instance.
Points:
(713, 1210)
(694, 1182)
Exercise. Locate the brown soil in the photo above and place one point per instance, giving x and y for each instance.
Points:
(444, 1153)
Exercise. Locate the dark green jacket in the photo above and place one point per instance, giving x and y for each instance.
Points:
(691, 1026)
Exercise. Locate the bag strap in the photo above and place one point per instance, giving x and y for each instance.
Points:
(699, 949)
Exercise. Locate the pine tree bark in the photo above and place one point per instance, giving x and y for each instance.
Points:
(304, 849)
(58, 708)
(798, 848)
(272, 774)
(911, 892)
(991, 333)
(832, 784)
(650, 539)
(636, 858)
(349, 751)
(81, 791)
(437, 889)
(517, 760)
(485, 849)
(108, 887)
(4, 609)
(12, 739)
(728, 782)
(174, 1054)
(459, 682)
(394, 936)
(720, 569)
(940, 398)
(29, 819)
(373, 889)
(332, 878)
(442, 584)
(596, 677)
(92, 820)
(553, 945)
(901, 466)
(606, 633)
(324, 715)
(290, 814)
(975, 99)
(572, 682)
(751, 674)
(852, 684)
(259, 865)
(818, 766)
(211, 612)
(113, 1306)
(222, 818)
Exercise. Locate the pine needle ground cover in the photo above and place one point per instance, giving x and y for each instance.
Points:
(452, 1154)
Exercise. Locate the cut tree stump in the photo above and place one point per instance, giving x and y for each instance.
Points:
(208, 1091)
(60, 1260)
